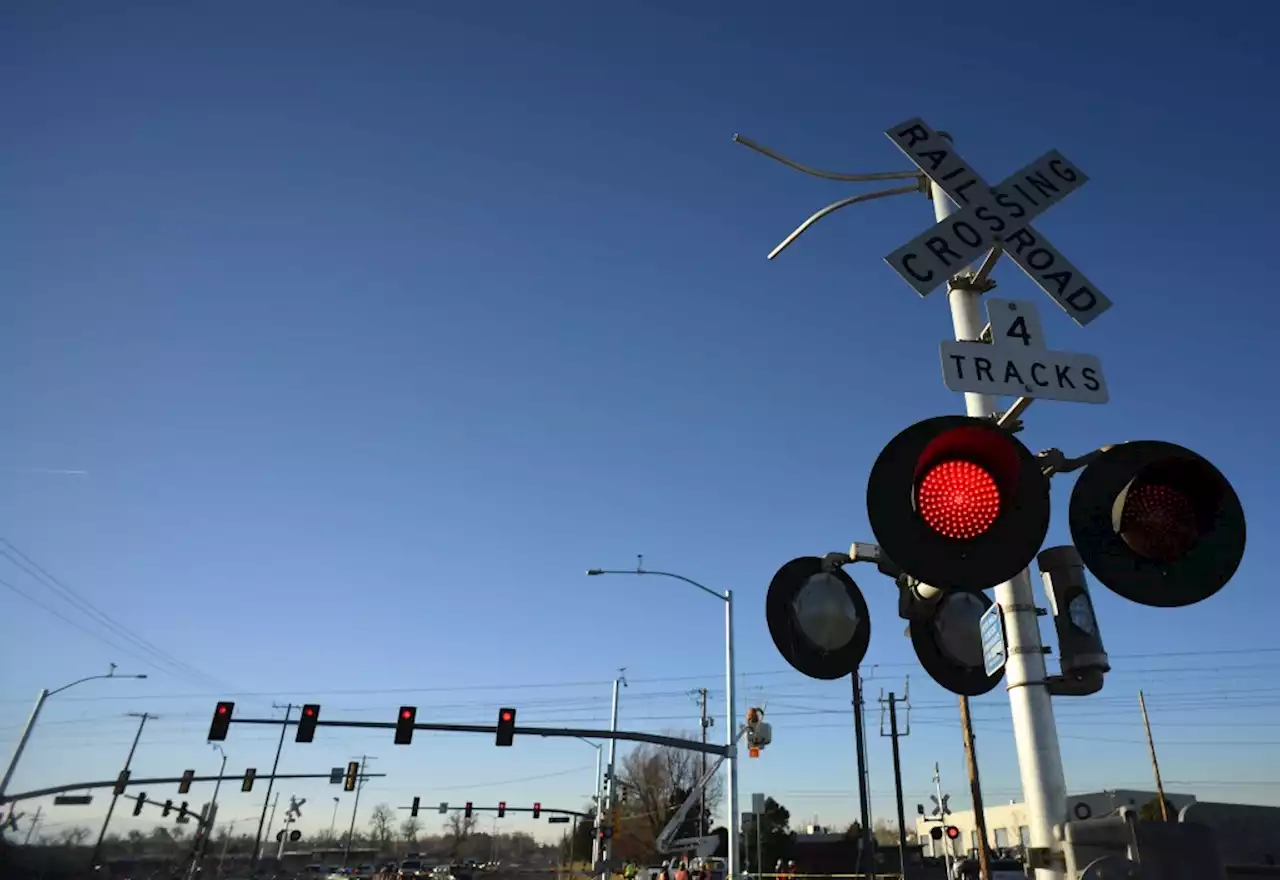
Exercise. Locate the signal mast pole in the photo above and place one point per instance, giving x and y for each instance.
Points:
(1035, 732)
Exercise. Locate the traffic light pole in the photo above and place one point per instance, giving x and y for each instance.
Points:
(1034, 731)
(97, 847)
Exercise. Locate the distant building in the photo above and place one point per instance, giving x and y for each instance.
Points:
(1007, 823)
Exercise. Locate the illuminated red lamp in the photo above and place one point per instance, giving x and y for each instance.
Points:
(404, 725)
(307, 723)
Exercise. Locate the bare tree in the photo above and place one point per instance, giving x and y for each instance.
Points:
(457, 828)
(382, 823)
(73, 836)
(655, 781)
(409, 829)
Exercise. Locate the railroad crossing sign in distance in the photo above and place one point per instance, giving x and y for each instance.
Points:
(1016, 362)
(991, 217)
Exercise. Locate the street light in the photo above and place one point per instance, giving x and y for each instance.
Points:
(35, 713)
(730, 691)
(597, 795)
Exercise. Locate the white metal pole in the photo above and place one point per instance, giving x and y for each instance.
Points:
(1035, 732)
(942, 816)
(611, 786)
(730, 736)
(595, 838)
(22, 740)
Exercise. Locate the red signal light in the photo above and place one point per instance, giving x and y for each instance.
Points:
(404, 725)
(506, 726)
(1158, 522)
(222, 709)
(221, 721)
(953, 832)
(958, 499)
(307, 723)
(405, 713)
(506, 716)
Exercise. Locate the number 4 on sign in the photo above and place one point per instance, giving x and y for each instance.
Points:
(1012, 360)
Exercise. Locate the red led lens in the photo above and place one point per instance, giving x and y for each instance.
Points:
(506, 716)
(1158, 522)
(222, 710)
(406, 714)
(958, 499)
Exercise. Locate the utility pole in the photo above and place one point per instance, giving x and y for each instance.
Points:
(97, 847)
(284, 727)
(703, 724)
(272, 820)
(893, 702)
(1155, 765)
(867, 850)
(975, 790)
(35, 820)
(346, 848)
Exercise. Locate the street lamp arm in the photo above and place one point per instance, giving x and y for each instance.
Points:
(721, 596)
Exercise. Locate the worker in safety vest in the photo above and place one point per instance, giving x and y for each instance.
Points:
(630, 870)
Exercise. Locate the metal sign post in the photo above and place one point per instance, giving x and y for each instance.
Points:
(1034, 729)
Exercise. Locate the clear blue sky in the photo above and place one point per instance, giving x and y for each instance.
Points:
(374, 328)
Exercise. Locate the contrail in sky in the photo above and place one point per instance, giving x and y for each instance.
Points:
(68, 472)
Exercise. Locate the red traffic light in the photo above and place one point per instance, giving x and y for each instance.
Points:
(221, 721)
(307, 723)
(818, 618)
(537, 809)
(1157, 524)
(958, 502)
(404, 725)
(502, 809)
(952, 832)
(467, 810)
(506, 726)
(948, 643)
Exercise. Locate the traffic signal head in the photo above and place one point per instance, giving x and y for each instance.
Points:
(502, 809)
(935, 832)
(818, 618)
(249, 776)
(307, 723)
(537, 809)
(952, 832)
(137, 804)
(122, 781)
(353, 771)
(1157, 524)
(958, 502)
(221, 721)
(185, 785)
(413, 810)
(168, 808)
(948, 643)
(404, 725)
(506, 726)
(1080, 649)
(467, 810)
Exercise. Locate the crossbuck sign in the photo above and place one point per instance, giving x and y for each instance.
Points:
(992, 217)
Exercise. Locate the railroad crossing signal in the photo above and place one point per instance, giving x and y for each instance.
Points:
(404, 725)
(506, 726)
(958, 502)
(818, 618)
(952, 832)
(185, 785)
(307, 723)
(948, 639)
(353, 771)
(1157, 524)
(221, 721)
(991, 217)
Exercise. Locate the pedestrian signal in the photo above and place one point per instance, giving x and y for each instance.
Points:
(221, 721)
(958, 502)
(404, 725)
(307, 723)
(1157, 524)
(506, 726)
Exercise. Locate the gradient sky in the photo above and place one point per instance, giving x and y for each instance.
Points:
(361, 332)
